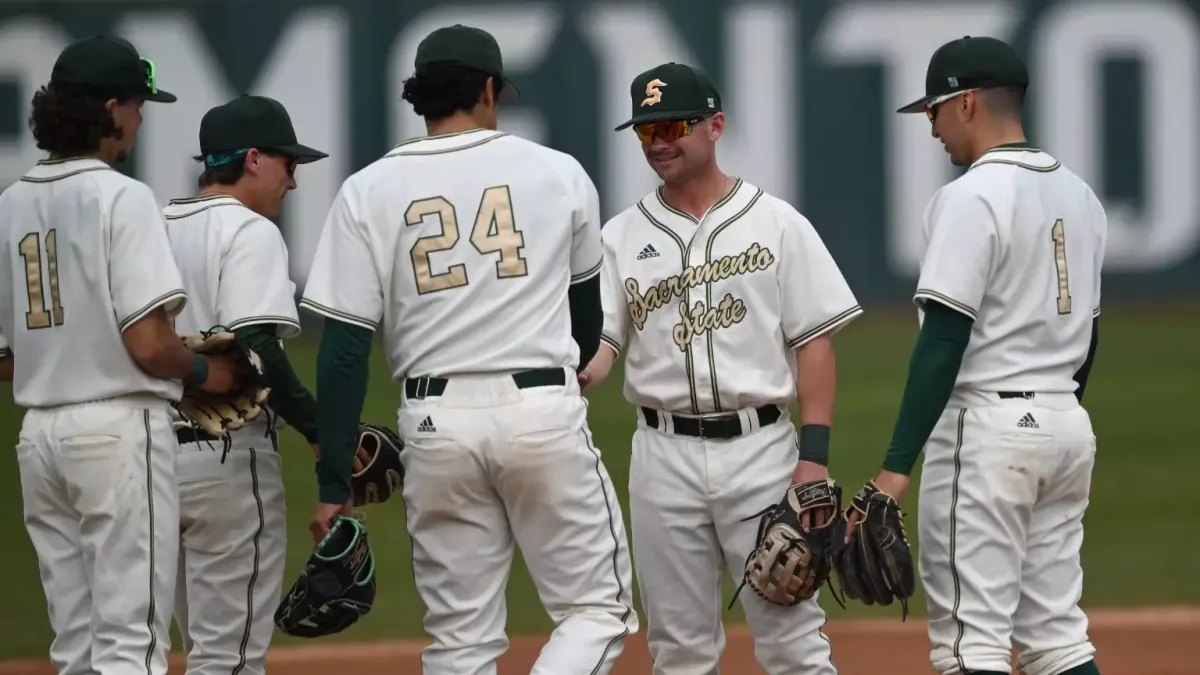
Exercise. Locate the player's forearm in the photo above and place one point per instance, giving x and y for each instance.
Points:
(1081, 377)
(7, 365)
(932, 371)
(289, 397)
(343, 369)
(816, 391)
(587, 317)
(153, 344)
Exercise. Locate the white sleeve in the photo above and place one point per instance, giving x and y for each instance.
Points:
(958, 261)
(814, 296)
(612, 299)
(1101, 243)
(254, 285)
(343, 282)
(585, 227)
(142, 274)
(585, 240)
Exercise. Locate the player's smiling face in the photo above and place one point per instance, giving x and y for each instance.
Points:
(676, 152)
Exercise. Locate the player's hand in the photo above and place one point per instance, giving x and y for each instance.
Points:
(807, 472)
(322, 518)
(893, 484)
(597, 369)
(222, 375)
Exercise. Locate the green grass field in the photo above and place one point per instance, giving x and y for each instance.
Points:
(1142, 400)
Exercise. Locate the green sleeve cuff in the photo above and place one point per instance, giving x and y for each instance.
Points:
(932, 371)
(289, 397)
(814, 444)
(343, 369)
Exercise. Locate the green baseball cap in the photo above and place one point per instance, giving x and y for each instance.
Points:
(969, 63)
(107, 66)
(468, 47)
(672, 91)
(229, 131)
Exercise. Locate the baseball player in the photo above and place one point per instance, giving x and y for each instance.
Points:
(1009, 296)
(725, 300)
(87, 291)
(233, 530)
(478, 256)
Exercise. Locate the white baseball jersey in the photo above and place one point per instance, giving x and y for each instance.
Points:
(463, 246)
(85, 255)
(1016, 243)
(234, 265)
(710, 311)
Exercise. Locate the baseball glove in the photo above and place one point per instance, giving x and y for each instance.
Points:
(876, 566)
(789, 565)
(336, 587)
(377, 469)
(219, 414)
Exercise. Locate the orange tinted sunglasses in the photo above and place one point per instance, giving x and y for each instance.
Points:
(669, 130)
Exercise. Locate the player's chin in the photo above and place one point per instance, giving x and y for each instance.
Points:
(666, 168)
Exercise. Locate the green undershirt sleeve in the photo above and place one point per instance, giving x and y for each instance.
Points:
(343, 369)
(932, 371)
(1081, 377)
(294, 403)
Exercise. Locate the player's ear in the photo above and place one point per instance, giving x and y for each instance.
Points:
(716, 125)
(487, 97)
(252, 160)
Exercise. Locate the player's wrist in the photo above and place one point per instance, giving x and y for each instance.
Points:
(198, 373)
(814, 444)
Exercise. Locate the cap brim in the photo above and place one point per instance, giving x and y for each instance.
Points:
(160, 96)
(302, 153)
(665, 116)
(916, 106)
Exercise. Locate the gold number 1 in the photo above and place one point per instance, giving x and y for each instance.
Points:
(38, 316)
(1058, 234)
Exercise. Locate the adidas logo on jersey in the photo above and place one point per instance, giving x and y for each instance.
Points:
(426, 425)
(1027, 422)
(647, 252)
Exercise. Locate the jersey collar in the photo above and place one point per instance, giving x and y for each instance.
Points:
(656, 205)
(1022, 154)
(436, 145)
(203, 199)
(59, 168)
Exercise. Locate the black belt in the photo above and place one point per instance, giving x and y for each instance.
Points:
(1015, 394)
(725, 425)
(422, 387)
(185, 436)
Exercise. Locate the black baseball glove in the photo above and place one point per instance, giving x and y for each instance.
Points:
(336, 587)
(788, 564)
(377, 469)
(219, 414)
(876, 567)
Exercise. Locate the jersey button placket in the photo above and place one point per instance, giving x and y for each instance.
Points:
(702, 376)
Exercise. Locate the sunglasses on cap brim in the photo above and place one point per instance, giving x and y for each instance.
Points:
(668, 130)
(932, 105)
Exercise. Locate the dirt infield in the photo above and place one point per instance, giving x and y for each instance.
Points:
(1142, 642)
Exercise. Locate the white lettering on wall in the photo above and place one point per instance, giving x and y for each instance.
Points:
(524, 32)
(1067, 49)
(28, 49)
(903, 36)
(307, 72)
(758, 89)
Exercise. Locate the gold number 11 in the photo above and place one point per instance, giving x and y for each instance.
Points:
(38, 316)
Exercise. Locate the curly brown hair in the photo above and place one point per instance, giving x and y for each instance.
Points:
(439, 90)
(70, 124)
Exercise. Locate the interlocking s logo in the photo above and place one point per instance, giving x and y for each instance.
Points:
(653, 94)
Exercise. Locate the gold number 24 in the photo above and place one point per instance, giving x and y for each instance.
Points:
(1058, 234)
(494, 232)
(38, 316)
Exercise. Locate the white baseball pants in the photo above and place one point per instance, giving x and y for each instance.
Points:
(687, 499)
(489, 466)
(1004, 488)
(233, 547)
(98, 485)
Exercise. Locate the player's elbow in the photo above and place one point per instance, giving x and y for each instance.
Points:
(152, 343)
